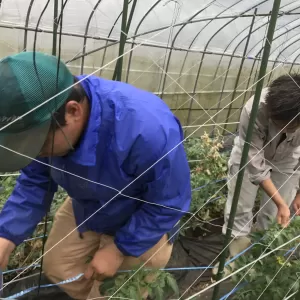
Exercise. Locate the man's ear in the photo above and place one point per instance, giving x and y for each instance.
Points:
(74, 110)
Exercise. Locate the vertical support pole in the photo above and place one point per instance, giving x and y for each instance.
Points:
(244, 158)
(240, 69)
(119, 66)
(131, 15)
(55, 27)
(26, 25)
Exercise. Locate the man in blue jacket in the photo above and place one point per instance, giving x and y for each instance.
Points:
(114, 148)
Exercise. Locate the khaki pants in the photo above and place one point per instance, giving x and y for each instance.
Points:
(69, 257)
(242, 223)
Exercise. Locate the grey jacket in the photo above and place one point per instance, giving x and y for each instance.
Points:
(283, 158)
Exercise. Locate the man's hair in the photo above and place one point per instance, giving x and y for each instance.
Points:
(77, 94)
(283, 98)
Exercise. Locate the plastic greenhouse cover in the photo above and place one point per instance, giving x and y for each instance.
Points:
(216, 25)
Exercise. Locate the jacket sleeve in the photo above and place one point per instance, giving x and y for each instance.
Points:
(166, 185)
(258, 170)
(28, 203)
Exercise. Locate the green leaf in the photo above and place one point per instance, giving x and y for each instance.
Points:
(107, 284)
(171, 282)
(133, 293)
(158, 293)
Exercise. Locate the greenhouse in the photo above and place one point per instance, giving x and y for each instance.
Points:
(210, 64)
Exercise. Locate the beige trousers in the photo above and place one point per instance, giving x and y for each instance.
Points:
(69, 257)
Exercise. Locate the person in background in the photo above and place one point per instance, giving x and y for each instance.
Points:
(108, 144)
(272, 161)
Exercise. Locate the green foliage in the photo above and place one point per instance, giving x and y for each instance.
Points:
(263, 271)
(207, 165)
(157, 283)
(7, 185)
(204, 155)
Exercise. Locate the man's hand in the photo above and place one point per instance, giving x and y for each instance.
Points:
(6, 248)
(296, 205)
(105, 263)
(283, 215)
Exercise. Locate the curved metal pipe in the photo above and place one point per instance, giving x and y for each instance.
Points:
(109, 34)
(196, 37)
(292, 65)
(174, 40)
(270, 76)
(206, 46)
(86, 32)
(233, 95)
(114, 42)
(135, 35)
(26, 25)
(256, 56)
(233, 53)
(246, 28)
(254, 61)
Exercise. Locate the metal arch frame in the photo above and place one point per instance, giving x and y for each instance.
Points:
(285, 13)
(244, 56)
(86, 32)
(26, 24)
(224, 83)
(254, 63)
(26, 28)
(196, 37)
(248, 37)
(294, 42)
(259, 53)
(109, 34)
(292, 65)
(172, 48)
(173, 43)
(135, 35)
(243, 39)
(206, 46)
(290, 38)
(114, 41)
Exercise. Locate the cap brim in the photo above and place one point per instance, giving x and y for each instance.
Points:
(28, 143)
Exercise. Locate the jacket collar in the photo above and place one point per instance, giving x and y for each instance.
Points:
(85, 152)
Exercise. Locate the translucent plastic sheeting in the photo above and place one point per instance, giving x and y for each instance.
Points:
(209, 17)
(189, 52)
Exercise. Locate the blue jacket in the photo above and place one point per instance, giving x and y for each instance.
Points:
(128, 131)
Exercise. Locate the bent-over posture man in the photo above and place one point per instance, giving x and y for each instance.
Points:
(272, 161)
(109, 144)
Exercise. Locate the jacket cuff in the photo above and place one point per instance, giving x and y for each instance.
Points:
(10, 237)
(123, 250)
(260, 177)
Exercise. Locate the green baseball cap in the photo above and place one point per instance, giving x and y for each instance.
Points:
(22, 90)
